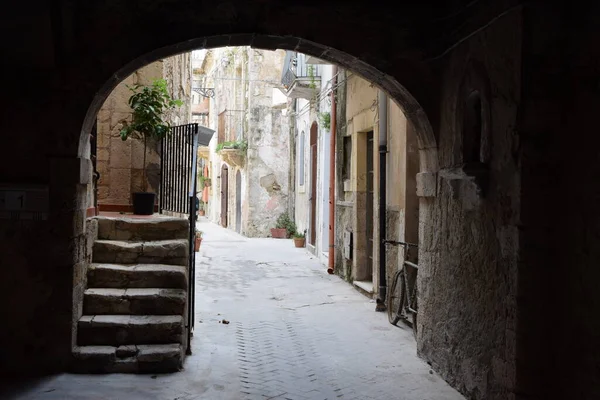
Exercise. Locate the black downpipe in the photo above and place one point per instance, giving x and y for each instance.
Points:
(382, 105)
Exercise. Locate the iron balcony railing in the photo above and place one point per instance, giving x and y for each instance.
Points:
(295, 67)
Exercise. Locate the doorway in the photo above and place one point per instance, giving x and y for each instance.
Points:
(224, 194)
(313, 184)
(369, 207)
(238, 202)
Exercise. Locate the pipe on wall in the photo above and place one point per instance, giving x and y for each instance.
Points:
(383, 133)
(333, 118)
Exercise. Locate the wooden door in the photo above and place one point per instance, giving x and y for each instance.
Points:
(224, 194)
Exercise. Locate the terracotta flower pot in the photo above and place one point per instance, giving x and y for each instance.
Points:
(299, 242)
(197, 243)
(279, 233)
(201, 213)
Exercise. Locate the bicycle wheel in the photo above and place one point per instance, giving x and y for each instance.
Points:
(396, 297)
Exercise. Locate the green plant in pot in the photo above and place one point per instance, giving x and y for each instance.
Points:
(149, 104)
(284, 227)
(299, 239)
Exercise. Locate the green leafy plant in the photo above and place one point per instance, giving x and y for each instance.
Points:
(199, 233)
(325, 120)
(285, 222)
(299, 235)
(237, 144)
(149, 105)
(311, 75)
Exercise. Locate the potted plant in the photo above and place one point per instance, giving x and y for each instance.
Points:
(284, 227)
(149, 104)
(299, 239)
(198, 240)
(201, 209)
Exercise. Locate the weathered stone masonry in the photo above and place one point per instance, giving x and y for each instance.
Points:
(537, 225)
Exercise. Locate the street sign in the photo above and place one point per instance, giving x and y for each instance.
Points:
(24, 201)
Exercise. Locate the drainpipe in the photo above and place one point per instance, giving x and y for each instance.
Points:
(332, 172)
(383, 119)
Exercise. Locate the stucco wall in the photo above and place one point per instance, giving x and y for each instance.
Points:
(268, 145)
(362, 115)
(120, 163)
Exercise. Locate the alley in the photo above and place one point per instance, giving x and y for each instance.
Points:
(271, 323)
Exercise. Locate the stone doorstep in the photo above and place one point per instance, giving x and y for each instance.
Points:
(174, 252)
(136, 358)
(114, 330)
(163, 228)
(365, 287)
(138, 301)
(137, 276)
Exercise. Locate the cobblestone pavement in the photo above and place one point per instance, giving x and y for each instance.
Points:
(272, 324)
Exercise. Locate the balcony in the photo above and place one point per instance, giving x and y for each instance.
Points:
(300, 79)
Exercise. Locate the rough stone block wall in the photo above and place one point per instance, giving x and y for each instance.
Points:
(470, 244)
(121, 163)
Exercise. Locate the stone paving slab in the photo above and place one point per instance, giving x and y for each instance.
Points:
(294, 332)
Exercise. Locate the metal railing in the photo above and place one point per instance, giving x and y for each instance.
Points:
(295, 66)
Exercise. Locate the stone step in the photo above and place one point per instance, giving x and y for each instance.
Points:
(117, 330)
(171, 252)
(136, 301)
(153, 358)
(156, 228)
(137, 276)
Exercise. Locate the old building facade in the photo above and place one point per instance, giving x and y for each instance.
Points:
(247, 160)
(308, 83)
(120, 163)
(371, 125)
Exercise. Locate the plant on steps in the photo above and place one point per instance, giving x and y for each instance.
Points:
(149, 105)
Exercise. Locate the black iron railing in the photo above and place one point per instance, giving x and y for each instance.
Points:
(178, 194)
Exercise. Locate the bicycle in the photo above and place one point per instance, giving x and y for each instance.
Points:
(401, 299)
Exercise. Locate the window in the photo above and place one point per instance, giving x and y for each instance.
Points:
(472, 128)
(346, 157)
(301, 160)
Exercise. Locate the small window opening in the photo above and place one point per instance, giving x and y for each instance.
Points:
(472, 128)
(347, 157)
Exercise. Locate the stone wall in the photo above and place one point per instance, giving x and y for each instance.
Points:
(121, 163)
(268, 145)
(469, 244)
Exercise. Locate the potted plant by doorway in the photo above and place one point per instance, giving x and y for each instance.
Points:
(198, 240)
(149, 105)
(299, 239)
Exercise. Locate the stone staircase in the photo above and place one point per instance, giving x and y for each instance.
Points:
(135, 304)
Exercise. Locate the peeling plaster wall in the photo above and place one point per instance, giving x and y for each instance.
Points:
(469, 245)
(120, 163)
(268, 146)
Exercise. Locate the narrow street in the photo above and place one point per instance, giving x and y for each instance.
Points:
(271, 323)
